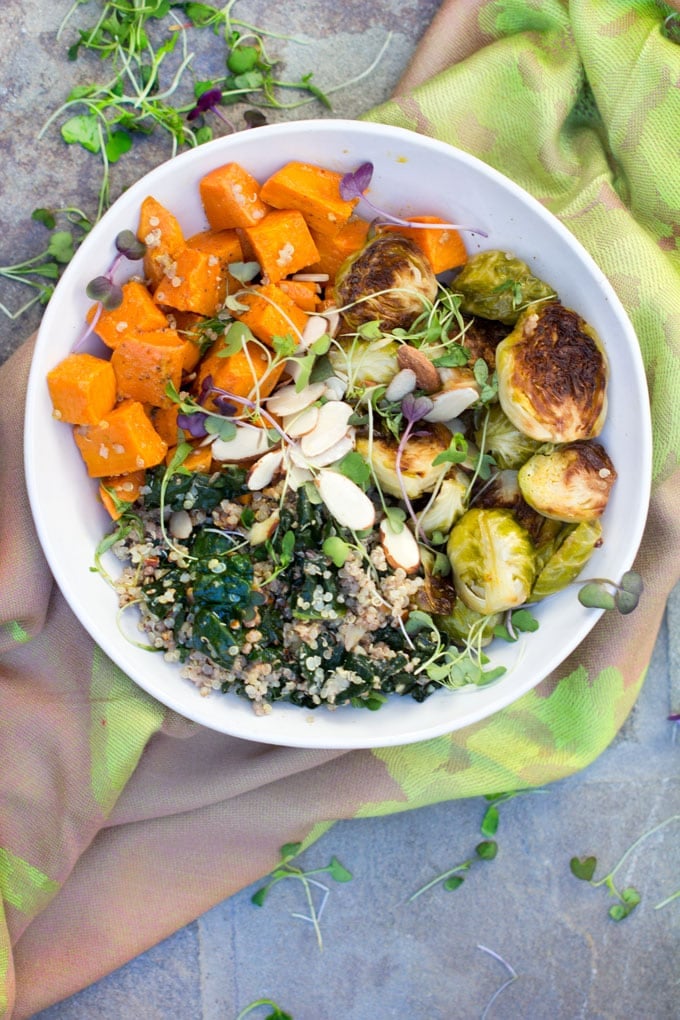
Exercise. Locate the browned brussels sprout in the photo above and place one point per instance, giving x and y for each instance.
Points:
(497, 285)
(552, 376)
(389, 280)
(567, 559)
(570, 484)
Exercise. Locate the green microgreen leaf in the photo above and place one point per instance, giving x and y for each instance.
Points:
(244, 272)
(489, 826)
(60, 246)
(118, 143)
(456, 452)
(355, 467)
(82, 129)
(583, 867)
(46, 217)
(336, 549)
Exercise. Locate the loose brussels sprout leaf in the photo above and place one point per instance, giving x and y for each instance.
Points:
(552, 376)
(497, 285)
(492, 559)
(458, 624)
(509, 447)
(572, 483)
(568, 560)
(389, 279)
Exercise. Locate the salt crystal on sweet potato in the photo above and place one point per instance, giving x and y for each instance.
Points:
(82, 388)
(123, 442)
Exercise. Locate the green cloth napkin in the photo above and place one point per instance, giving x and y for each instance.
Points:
(107, 798)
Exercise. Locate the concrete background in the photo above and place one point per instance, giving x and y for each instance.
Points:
(382, 957)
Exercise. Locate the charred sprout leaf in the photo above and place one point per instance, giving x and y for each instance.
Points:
(102, 289)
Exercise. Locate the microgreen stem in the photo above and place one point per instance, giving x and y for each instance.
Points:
(608, 879)
(513, 977)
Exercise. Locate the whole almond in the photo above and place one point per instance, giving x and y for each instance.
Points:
(427, 376)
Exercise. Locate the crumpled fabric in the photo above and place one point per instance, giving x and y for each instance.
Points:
(107, 798)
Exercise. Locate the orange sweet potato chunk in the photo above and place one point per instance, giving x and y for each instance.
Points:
(314, 191)
(196, 285)
(305, 293)
(271, 313)
(243, 373)
(137, 311)
(82, 388)
(117, 491)
(144, 365)
(282, 244)
(334, 250)
(164, 420)
(161, 233)
(444, 249)
(199, 460)
(123, 442)
(231, 197)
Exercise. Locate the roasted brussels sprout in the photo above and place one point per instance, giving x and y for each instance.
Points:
(364, 362)
(447, 506)
(570, 484)
(509, 447)
(417, 472)
(552, 376)
(497, 285)
(492, 560)
(389, 279)
(459, 622)
(482, 337)
(568, 559)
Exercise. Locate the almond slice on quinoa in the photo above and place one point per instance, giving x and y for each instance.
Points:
(263, 471)
(345, 501)
(400, 547)
(248, 443)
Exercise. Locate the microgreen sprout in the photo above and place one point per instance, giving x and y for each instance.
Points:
(511, 971)
(355, 183)
(486, 850)
(602, 593)
(287, 870)
(276, 1014)
(628, 898)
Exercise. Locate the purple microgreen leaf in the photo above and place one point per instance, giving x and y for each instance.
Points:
(208, 100)
(354, 183)
(194, 424)
(103, 289)
(415, 408)
(129, 245)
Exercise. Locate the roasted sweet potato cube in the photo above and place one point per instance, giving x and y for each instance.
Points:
(314, 191)
(160, 231)
(196, 285)
(334, 250)
(247, 371)
(271, 313)
(144, 365)
(138, 311)
(231, 197)
(305, 293)
(444, 249)
(123, 442)
(82, 388)
(119, 491)
(282, 243)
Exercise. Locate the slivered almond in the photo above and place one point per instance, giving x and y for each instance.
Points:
(334, 453)
(331, 426)
(295, 425)
(249, 442)
(335, 388)
(288, 400)
(400, 547)
(402, 383)
(315, 328)
(345, 501)
(263, 470)
(262, 530)
(426, 374)
(449, 404)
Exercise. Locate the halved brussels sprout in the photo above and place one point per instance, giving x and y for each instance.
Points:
(501, 492)
(447, 506)
(552, 376)
(417, 472)
(508, 446)
(458, 623)
(363, 362)
(568, 559)
(492, 560)
(389, 279)
(572, 483)
(498, 285)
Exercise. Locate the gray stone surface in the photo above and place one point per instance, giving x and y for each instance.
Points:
(384, 957)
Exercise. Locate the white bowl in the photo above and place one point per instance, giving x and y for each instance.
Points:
(413, 174)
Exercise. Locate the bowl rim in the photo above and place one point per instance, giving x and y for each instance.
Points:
(334, 128)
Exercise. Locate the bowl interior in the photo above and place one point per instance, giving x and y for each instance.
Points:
(413, 175)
